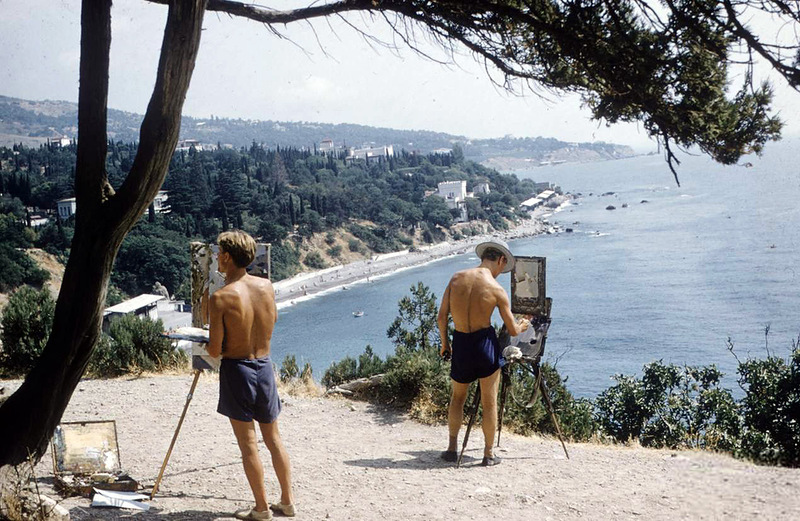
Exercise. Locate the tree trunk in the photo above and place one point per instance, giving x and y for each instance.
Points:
(103, 218)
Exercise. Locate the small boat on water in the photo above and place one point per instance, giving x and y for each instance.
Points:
(358, 313)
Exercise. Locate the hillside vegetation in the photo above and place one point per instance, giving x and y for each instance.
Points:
(33, 122)
(315, 209)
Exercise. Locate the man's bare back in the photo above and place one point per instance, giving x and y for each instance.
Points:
(473, 295)
(246, 308)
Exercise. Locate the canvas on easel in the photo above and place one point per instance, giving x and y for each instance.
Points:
(528, 295)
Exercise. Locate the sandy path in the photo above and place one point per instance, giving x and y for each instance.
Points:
(355, 461)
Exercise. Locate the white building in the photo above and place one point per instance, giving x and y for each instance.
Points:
(538, 200)
(481, 188)
(143, 306)
(184, 145)
(66, 208)
(530, 204)
(453, 191)
(160, 204)
(326, 146)
(454, 194)
(370, 154)
(62, 141)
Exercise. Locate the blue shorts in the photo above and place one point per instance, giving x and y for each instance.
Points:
(247, 390)
(475, 355)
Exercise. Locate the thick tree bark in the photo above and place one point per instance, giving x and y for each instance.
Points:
(29, 416)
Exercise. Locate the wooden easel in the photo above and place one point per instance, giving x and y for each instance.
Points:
(177, 430)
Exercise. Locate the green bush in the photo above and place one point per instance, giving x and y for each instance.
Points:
(315, 261)
(335, 251)
(670, 406)
(347, 369)
(770, 410)
(526, 416)
(339, 372)
(285, 261)
(289, 368)
(412, 375)
(356, 246)
(134, 345)
(27, 322)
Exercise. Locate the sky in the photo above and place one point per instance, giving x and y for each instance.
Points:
(321, 72)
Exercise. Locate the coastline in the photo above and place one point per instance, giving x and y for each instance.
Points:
(311, 284)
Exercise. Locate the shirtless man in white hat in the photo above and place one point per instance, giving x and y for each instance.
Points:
(470, 298)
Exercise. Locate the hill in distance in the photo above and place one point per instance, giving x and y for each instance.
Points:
(34, 122)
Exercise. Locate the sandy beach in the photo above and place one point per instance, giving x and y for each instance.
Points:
(313, 283)
(355, 461)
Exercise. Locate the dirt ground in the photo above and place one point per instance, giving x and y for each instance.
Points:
(355, 461)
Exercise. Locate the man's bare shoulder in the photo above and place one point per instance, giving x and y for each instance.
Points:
(260, 283)
(463, 275)
(225, 294)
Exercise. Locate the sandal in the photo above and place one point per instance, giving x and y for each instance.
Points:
(449, 455)
(252, 513)
(491, 462)
(286, 510)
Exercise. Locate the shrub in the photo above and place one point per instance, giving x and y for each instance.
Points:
(335, 251)
(134, 345)
(670, 406)
(414, 377)
(356, 246)
(314, 260)
(339, 372)
(27, 322)
(771, 409)
(289, 368)
(285, 261)
(347, 369)
(525, 416)
(17, 268)
(415, 326)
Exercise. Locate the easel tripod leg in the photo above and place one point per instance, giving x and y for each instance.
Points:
(177, 430)
(505, 383)
(546, 394)
(472, 414)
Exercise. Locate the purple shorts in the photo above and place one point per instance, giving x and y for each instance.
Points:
(475, 355)
(247, 390)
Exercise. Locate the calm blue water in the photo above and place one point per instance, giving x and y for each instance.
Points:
(668, 279)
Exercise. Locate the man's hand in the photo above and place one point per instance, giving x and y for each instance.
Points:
(523, 324)
(445, 353)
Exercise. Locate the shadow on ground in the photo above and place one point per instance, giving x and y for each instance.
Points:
(417, 460)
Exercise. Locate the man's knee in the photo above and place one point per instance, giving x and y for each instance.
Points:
(271, 435)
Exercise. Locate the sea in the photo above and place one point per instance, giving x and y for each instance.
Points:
(673, 273)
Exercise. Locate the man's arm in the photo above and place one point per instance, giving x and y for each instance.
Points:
(504, 306)
(442, 320)
(216, 329)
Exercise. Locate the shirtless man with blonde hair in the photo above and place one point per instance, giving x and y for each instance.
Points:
(243, 315)
(470, 298)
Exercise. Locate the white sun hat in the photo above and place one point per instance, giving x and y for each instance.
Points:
(500, 246)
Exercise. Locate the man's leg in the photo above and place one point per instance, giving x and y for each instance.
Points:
(248, 444)
(280, 459)
(455, 414)
(489, 404)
